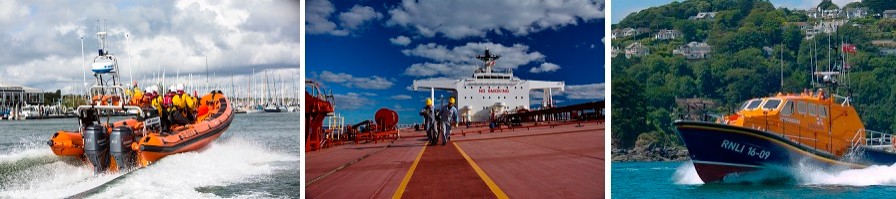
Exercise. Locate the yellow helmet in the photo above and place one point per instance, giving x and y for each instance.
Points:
(451, 100)
(428, 102)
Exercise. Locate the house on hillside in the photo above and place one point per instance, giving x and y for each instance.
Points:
(832, 14)
(828, 27)
(665, 34)
(616, 33)
(694, 50)
(704, 16)
(636, 50)
(628, 32)
(614, 52)
(856, 13)
(813, 13)
(818, 13)
(889, 14)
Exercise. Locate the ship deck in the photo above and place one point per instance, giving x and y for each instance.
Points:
(556, 161)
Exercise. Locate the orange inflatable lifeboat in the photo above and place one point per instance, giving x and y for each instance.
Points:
(138, 142)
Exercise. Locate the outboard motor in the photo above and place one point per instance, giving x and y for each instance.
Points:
(96, 147)
(120, 147)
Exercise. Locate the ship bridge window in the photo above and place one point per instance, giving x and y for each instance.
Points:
(788, 108)
(823, 111)
(801, 107)
(771, 104)
(753, 104)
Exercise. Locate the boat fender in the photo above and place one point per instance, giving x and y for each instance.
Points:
(120, 147)
(96, 147)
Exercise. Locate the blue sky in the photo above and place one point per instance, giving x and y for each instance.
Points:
(621, 9)
(369, 52)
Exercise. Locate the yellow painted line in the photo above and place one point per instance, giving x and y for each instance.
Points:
(488, 181)
(407, 177)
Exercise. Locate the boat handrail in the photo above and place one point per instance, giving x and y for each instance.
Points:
(115, 91)
(845, 100)
(871, 138)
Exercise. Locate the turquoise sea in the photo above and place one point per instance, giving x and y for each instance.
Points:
(680, 180)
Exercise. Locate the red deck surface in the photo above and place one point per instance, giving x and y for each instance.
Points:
(443, 173)
(565, 161)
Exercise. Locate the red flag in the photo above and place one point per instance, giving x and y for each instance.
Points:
(849, 48)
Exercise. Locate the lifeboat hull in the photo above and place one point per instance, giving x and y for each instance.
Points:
(721, 151)
(67, 143)
(150, 153)
(193, 137)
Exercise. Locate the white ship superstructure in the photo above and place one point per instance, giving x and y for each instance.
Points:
(490, 92)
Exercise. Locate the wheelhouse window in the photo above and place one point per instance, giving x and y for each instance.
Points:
(812, 108)
(801, 107)
(788, 108)
(753, 104)
(771, 104)
(823, 111)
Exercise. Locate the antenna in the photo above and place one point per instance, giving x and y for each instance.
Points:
(130, 66)
(206, 71)
(83, 64)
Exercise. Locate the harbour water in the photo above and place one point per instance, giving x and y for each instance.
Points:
(664, 179)
(258, 157)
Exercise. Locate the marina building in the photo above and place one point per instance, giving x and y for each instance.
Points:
(11, 94)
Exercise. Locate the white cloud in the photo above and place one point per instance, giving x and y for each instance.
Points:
(236, 36)
(400, 40)
(348, 80)
(319, 12)
(460, 61)
(545, 67)
(358, 15)
(401, 97)
(11, 11)
(351, 101)
(460, 19)
(585, 91)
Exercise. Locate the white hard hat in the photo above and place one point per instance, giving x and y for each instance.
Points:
(180, 87)
(171, 88)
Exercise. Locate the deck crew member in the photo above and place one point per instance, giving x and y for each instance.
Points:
(175, 113)
(448, 117)
(162, 103)
(136, 97)
(429, 120)
(183, 103)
